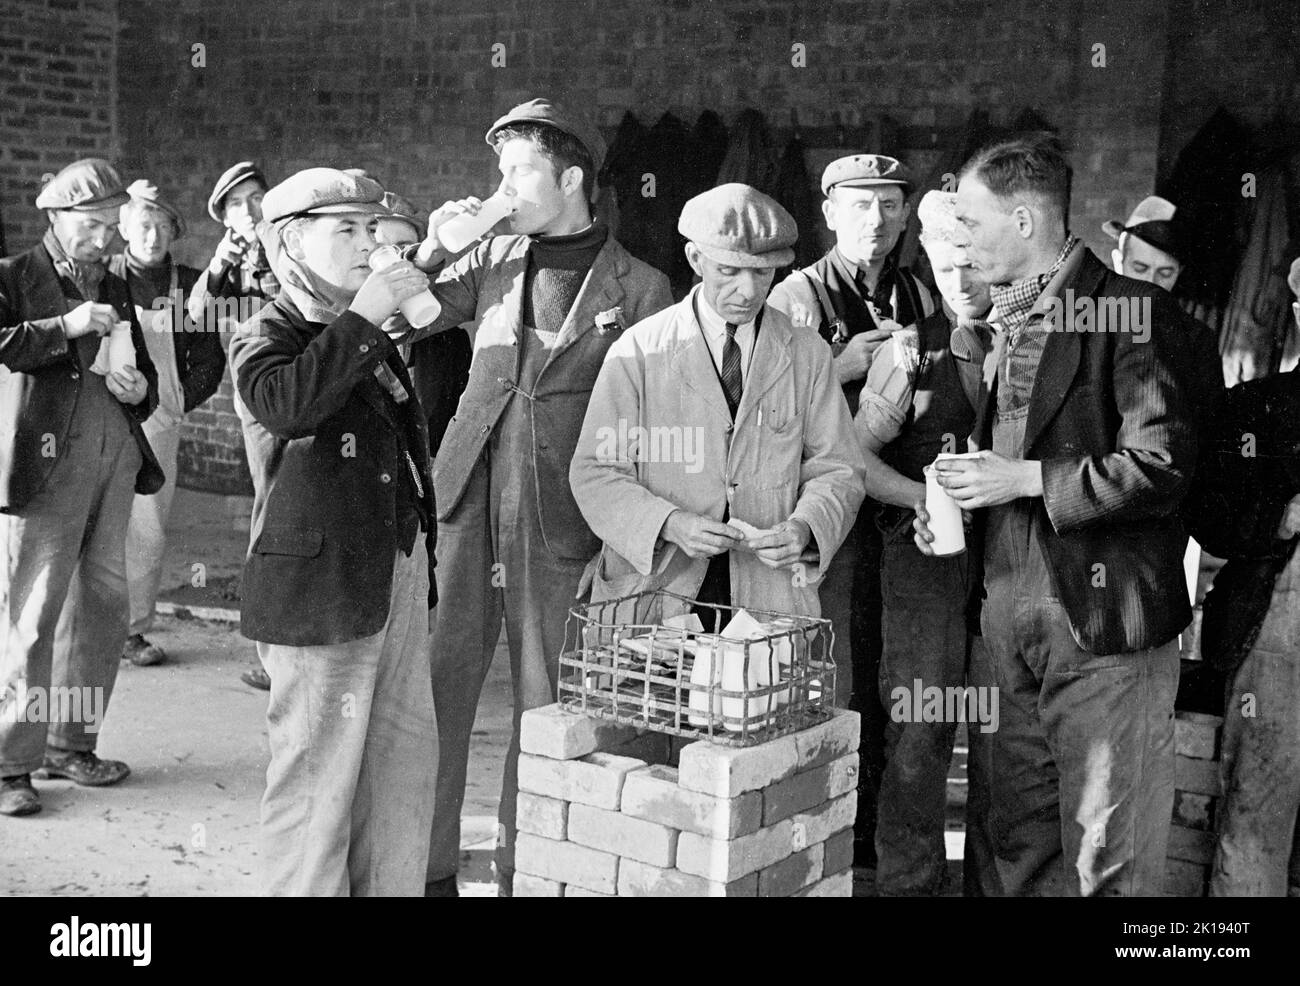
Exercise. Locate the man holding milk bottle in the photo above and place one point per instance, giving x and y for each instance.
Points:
(544, 305)
(72, 456)
(1088, 442)
(918, 402)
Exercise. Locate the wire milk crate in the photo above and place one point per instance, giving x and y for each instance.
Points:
(634, 660)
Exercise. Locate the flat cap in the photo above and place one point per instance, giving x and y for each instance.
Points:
(91, 183)
(1154, 222)
(401, 208)
(145, 194)
(574, 124)
(231, 177)
(321, 191)
(739, 226)
(862, 170)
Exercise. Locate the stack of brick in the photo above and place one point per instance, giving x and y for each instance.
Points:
(604, 812)
(1197, 787)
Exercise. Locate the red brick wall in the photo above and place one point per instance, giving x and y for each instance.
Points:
(58, 99)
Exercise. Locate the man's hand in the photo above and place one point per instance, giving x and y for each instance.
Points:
(128, 385)
(698, 536)
(854, 360)
(385, 289)
(783, 545)
(432, 247)
(1290, 525)
(230, 251)
(989, 479)
(921, 533)
(88, 317)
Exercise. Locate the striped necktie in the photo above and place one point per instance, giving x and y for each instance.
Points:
(731, 380)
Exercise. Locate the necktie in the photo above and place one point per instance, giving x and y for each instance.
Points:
(731, 382)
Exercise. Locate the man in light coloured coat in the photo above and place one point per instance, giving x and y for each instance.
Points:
(755, 403)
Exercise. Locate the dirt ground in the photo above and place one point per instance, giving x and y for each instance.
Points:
(185, 821)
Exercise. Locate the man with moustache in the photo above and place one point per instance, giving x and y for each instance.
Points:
(72, 454)
(189, 364)
(546, 303)
(1088, 443)
(336, 583)
(855, 296)
(919, 400)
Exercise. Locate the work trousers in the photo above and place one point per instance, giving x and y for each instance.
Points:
(1258, 853)
(65, 603)
(923, 653)
(1083, 758)
(146, 535)
(349, 789)
(493, 567)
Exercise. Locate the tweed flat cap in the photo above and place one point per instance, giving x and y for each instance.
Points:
(145, 194)
(574, 124)
(864, 170)
(91, 183)
(321, 191)
(231, 177)
(739, 226)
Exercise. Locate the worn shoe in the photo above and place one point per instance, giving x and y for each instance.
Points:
(18, 797)
(446, 887)
(257, 677)
(84, 768)
(141, 653)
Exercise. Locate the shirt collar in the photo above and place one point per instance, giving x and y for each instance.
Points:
(713, 324)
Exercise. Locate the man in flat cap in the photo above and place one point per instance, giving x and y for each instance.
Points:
(237, 281)
(757, 401)
(919, 400)
(189, 363)
(855, 296)
(546, 302)
(336, 583)
(1086, 446)
(72, 454)
(239, 269)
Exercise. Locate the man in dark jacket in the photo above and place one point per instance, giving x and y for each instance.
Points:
(189, 363)
(1088, 439)
(71, 453)
(336, 584)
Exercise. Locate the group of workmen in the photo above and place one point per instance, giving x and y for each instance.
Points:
(381, 566)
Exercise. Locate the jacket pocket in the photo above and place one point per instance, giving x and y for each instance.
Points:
(301, 542)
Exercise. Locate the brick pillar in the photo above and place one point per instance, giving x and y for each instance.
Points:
(602, 812)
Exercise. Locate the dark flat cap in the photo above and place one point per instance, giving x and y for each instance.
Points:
(91, 183)
(231, 177)
(865, 170)
(574, 124)
(402, 209)
(321, 191)
(739, 226)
